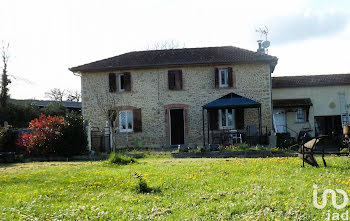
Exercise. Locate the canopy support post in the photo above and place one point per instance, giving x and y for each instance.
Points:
(260, 127)
(203, 127)
(208, 118)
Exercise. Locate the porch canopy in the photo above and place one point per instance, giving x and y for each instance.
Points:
(286, 103)
(233, 101)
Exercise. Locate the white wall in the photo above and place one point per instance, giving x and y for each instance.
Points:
(325, 102)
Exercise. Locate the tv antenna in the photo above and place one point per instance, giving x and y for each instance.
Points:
(264, 44)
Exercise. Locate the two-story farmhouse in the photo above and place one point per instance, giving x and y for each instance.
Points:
(178, 96)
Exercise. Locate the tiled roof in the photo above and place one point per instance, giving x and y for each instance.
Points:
(310, 80)
(302, 102)
(177, 57)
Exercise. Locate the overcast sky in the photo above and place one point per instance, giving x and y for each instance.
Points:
(48, 37)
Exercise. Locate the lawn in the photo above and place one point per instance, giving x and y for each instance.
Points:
(201, 189)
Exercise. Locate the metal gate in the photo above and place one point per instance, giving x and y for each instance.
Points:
(97, 140)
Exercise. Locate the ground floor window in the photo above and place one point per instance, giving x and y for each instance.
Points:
(227, 119)
(125, 121)
(300, 115)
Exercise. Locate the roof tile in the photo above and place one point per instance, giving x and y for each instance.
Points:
(176, 57)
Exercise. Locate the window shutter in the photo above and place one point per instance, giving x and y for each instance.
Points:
(171, 80)
(127, 81)
(230, 77)
(137, 120)
(214, 121)
(178, 80)
(112, 82)
(216, 72)
(239, 119)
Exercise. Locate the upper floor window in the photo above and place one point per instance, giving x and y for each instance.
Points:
(119, 82)
(224, 78)
(175, 79)
(300, 115)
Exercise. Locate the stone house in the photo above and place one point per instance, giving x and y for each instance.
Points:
(156, 97)
(314, 103)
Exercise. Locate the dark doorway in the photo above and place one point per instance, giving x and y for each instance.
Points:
(330, 126)
(177, 131)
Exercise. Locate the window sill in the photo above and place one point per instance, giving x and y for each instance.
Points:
(126, 131)
(175, 89)
(224, 87)
(301, 122)
(121, 92)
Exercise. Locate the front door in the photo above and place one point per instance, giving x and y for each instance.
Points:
(279, 120)
(177, 130)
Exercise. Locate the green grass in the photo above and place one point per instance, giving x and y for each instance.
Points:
(201, 189)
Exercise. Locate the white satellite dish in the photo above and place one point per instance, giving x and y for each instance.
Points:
(265, 44)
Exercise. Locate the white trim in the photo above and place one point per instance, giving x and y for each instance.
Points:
(126, 121)
(233, 111)
(169, 119)
(225, 72)
(119, 83)
(300, 120)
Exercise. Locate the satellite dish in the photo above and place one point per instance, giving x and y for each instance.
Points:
(265, 44)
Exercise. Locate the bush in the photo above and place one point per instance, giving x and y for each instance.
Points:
(120, 159)
(73, 140)
(55, 136)
(19, 115)
(8, 140)
(142, 185)
(54, 109)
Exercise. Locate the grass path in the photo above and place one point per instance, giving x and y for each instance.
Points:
(201, 189)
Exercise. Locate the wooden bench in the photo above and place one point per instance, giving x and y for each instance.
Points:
(308, 150)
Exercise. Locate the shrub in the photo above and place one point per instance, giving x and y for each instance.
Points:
(54, 109)
(73, 140)
(45, 135)
(8, 140)
(55, 136)
(19, 115)
(142, 185)
(236, 147)
(120, 159)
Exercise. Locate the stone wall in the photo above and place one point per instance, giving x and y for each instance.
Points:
(150, 93)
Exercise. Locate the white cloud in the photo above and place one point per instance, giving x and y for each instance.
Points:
(47, 37)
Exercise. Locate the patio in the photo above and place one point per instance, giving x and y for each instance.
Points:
(225, 121)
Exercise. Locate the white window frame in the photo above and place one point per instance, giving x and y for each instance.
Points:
(300, 111)
(126, 121)
(225, 72)
(119, 83)
(233, 126)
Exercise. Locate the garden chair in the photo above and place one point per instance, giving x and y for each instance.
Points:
(307, 151)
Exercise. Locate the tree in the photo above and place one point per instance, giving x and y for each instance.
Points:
(60, 95)
(167, 44)
(55, 94)
(5, 81)
(107, 103)
(73, 95)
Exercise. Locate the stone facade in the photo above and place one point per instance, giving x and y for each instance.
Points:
(150, 93)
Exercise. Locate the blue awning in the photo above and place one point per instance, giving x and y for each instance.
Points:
(232, 100)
